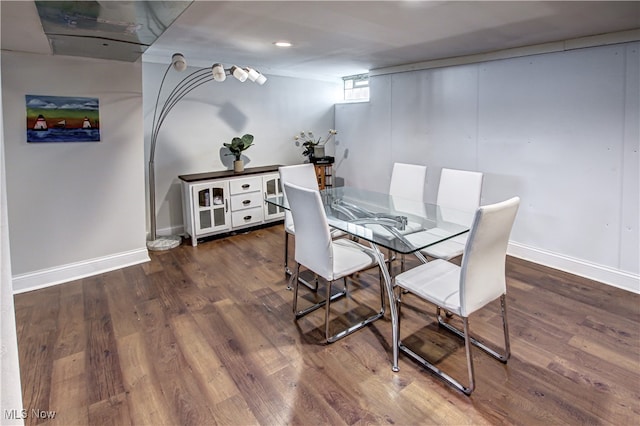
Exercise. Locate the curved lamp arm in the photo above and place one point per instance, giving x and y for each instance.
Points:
(185, 86)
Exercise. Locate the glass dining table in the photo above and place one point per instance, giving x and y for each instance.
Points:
(399, 225)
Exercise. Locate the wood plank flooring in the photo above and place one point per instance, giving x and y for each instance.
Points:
(204, 335)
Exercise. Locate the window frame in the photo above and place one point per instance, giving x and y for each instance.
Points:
(356, 88)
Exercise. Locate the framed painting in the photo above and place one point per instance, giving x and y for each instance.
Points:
(62, 119)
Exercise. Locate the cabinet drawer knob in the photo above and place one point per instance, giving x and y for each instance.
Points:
(245, 186)
(247, 218)
(245, 202)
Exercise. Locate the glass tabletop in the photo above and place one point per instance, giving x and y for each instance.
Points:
(399, 224)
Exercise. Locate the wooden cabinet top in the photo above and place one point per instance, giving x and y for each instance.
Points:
(228, 173)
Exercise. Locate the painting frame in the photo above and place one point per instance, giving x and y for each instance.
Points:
(52, 119)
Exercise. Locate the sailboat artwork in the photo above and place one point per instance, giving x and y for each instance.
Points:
(62, 119)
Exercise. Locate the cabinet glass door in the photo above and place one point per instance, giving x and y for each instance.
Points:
(212, 212)
(271, 187)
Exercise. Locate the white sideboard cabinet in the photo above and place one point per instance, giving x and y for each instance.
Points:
(225, 201)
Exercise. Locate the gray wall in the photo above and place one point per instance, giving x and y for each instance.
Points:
(75, 209)
(561, 130)
(78, 209)
(191, 138)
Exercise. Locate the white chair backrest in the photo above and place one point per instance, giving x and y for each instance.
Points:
(458, 194)
(299, 174)
(459, 189)
(482, 276)
(408, 180)
(313, 237)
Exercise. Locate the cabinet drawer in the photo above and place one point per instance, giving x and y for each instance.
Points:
(246, 217)
(246, 201)
(241, 186)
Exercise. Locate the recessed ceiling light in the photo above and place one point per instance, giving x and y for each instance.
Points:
(282, 43)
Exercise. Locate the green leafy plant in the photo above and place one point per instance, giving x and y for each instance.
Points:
(238, 145)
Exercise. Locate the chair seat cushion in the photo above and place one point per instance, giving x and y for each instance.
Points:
(437, 281)
(446, 250)
(350, 257)
(411, 227)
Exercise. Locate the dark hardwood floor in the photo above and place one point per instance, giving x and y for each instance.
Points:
(205, 335)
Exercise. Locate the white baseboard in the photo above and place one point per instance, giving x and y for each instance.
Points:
(613, 277)
(48, 277)
(73, 271)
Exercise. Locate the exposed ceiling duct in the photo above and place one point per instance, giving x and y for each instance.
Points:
(117, 30)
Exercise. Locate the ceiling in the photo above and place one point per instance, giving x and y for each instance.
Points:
(330, 39)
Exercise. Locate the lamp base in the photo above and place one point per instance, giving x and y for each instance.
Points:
(164, 243)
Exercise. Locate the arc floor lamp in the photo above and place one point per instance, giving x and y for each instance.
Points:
(196, 79)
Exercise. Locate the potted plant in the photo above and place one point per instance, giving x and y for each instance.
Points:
(236, 147)
(313, 148)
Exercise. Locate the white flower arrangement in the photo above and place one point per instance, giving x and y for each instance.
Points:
(308, 141)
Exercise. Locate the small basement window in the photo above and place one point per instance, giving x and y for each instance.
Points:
(356, 87)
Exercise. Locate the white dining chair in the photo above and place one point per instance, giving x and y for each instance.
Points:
(406, 188)
(463, 290)
(459, 192)
(408, 181)
(326, 257)
(303, 175)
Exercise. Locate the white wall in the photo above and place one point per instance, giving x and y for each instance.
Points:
(561, 130)
(10, 391)
(191, 138)
(75, 209)
(78, 209)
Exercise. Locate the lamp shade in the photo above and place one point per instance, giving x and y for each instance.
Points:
(239, 73)
(261, 79)
(255, 76)
(179, 62)
(219, 74)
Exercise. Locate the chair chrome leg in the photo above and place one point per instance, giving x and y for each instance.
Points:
(303, 312)
(441, 374)
(467, 348)
(308, 285)
(327, 308)
(435, 370)
(329, 299)
(468, 341)
(287, 271)
(505, 328)
(399, 304)
(351, 329)
(300, 313)
(423, 362)
(295, 289)
(381, 282)
(500, 357)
